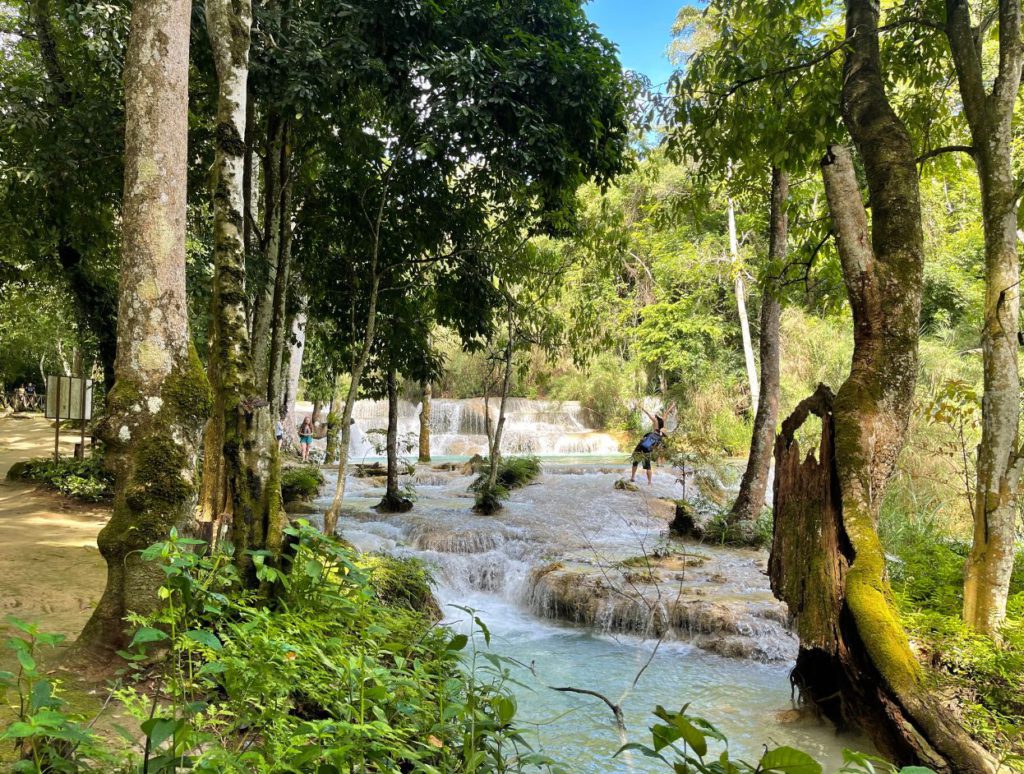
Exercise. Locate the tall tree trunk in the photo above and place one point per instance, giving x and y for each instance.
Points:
(751, 497)
(741, 307)
(296, 349)
(279, 321)
(241, 488)
(270, 246)
(331, 517)
(161, 396)
(393, 501)
(489, 503)
(424, 455)
(990, 119)
(855, 661)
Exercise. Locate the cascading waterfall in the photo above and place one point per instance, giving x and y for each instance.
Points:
(572, 550)
(458, 428)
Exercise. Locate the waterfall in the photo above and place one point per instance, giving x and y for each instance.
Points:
(458, 427)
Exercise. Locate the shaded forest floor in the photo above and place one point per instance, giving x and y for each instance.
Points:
(52, 573)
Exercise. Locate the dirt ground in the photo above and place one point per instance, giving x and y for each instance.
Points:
(50, 569)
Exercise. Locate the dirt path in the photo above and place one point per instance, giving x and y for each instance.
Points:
(50, 569)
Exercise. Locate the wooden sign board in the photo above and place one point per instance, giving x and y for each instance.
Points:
(68, 397)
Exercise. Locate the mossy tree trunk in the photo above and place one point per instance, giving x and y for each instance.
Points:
(751, 498)
(161, 396)
(424, 451)
(855, 662)
(241, 488)
(989, 115)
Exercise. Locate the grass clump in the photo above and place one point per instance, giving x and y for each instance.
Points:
(301, 483)
(513, 473)
(86, 480)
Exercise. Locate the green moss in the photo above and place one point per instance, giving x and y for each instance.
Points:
(186, 392)
(400, 582)
(300, 483)
(158, 482)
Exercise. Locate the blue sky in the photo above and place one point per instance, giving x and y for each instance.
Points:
(641, 29)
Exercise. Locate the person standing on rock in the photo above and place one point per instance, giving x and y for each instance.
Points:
(644, 452)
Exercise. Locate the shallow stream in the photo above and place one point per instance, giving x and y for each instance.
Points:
(579, 583)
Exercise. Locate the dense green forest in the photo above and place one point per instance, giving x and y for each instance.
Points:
(792, 270)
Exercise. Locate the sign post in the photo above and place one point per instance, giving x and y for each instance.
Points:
(68, 397)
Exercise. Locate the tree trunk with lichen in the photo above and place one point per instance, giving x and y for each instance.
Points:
(161, 396)
(855, 661)
(393, 502)
(751, 497)
(424, 450)
(989, 115)
(241, 482)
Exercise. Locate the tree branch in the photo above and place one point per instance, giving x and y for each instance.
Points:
(968, 149)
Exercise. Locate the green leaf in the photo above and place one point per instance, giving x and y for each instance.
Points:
(147, 634)
(159, 729)
(458, 642)
(788, 760)
(27, 662)
(203, 637)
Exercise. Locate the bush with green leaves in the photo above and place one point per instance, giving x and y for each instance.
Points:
(333, 672)
(48, 737)
(82, 479)
(681, 741)
(301, 482)
(513, 473)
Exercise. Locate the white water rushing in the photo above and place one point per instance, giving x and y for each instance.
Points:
(459, 428)
(560, 579)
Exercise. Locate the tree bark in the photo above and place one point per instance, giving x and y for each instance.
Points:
(393, 501)
(279, 326)
(161, 396)
(990, 119)
(270, 246)
(751, 498)
(241, 478)
(424, 452)
(296, 349)
(741, 308)
(491, 504)
(855, 662)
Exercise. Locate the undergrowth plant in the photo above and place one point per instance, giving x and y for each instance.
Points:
(82, 479)
(329, 674)
(681, 742)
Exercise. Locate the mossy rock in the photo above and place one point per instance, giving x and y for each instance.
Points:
(300, 508)
(628, 486)
(300, 483)
(18, 471)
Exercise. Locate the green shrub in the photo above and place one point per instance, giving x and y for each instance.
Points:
(338, 674)
(681, 742)
(513, 473)
(87, 480)
(301, 482)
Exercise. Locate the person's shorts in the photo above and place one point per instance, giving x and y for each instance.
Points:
(306, 439)
(642, 457)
